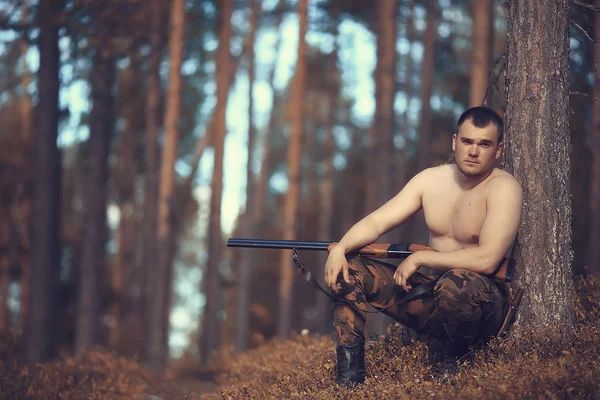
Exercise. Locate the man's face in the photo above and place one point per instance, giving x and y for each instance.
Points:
(476, 149)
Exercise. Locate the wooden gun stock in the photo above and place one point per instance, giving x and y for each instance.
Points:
(504, 272)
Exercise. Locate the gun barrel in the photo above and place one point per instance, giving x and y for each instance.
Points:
(277, 244)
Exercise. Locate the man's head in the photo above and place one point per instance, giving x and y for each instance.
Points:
(478, 141)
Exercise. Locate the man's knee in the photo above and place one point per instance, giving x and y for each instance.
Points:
(453, 291)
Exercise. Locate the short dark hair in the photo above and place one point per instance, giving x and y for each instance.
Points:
(482, 117)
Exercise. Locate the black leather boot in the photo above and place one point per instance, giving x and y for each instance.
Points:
(351, 364)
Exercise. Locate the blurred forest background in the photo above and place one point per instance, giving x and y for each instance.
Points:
(136, 136)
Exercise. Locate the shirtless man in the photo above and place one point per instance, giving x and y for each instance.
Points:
(472, 211)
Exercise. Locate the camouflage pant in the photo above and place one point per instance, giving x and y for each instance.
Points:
(463, 306)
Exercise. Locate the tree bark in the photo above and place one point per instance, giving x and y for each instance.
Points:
(594, 235)
(537, 151)
(157, 350)
(45, 249)
(245, 276)
(483, 41)
(212, 281)
(284, 320)
(89, 314)
(148, 259)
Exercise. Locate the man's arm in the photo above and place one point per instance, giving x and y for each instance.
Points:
(498, 232)
(393, 213)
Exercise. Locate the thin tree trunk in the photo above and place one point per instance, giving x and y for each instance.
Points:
(22, 207)
(284, 320)
(148, 259)
(157, 337)
(481, 57)
(26, 80)
(124, 182)
(265, 169)
(418, 229)
(45, 249)
(212, 281)
(537, 153)
(4, 274)
(94, 235)
(326, 188)
(410, 68)
(594, 235)
(384, 124)
(244, 278)
(427, 78)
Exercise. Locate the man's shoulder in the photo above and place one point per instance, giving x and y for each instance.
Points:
(503, 181)
(441, 171)
(503, 178)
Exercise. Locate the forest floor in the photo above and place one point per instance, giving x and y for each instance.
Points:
(304, 368)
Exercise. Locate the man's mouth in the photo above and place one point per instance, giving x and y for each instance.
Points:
(471, 162)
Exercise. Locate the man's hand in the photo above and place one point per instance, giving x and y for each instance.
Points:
(336, 262)
(405, 270)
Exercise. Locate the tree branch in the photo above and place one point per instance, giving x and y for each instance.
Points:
(494, 78)
(584, 5)
(587, 35)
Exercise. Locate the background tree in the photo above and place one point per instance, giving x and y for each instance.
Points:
(94, 233)
(45, 259)
(594, 199)
(148, 259)
(384, 125)
(212, 280)
(294, 153)
(483, 49)
(245, 277)
(157, 337)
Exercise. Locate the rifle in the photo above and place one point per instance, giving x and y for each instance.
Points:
(504, 272)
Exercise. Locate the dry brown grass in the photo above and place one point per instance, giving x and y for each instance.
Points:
(530, 367)
(304, 368)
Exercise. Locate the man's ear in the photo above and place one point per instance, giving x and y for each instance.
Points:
(499, 150)
(454, 142)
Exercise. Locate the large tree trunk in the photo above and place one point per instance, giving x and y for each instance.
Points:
(89, 314)
(45, 249)
(537, 153)
(244, 276)
(148, 259)
(211, 327)
(483, 47)
(594, 235)
(284, 319)
(157, 350)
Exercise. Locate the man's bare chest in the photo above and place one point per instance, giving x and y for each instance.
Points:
(457, 215)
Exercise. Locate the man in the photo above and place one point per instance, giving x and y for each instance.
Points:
(472, 211)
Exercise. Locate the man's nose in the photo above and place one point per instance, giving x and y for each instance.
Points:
(473, 151)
